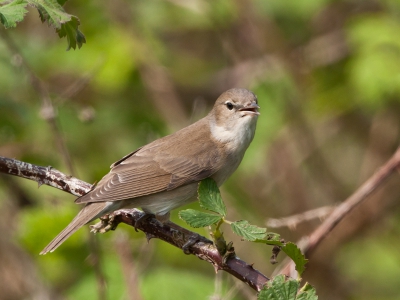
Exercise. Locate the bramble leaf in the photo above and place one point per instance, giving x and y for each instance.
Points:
(50, 11)
(210, 197)
(249, 232)
(12, 12)
(197, 218)
(295, 254)
(279, 288)
(307, 292)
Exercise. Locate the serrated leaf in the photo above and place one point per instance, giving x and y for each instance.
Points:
(271, 238)
(307, 292)
(279, 289)
(12, 12)
(197, 218)
(52, 12)
(296, 255)
(249, 232)
(74, 36)
(210, 197)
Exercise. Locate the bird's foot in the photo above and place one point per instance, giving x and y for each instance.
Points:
(106, 223)
(161, 218)
(142, 219)
(193, 239)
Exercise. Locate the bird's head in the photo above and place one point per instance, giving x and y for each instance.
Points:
(234, 115)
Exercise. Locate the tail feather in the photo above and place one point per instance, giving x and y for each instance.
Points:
(89, 213)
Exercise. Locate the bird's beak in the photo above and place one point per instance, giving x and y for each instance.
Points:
(251, 109)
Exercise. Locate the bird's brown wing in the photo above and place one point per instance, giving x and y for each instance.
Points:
(153, 169)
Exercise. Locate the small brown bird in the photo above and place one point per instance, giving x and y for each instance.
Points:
(165, 174)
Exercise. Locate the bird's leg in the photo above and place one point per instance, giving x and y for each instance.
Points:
(193, 239)
(161, 218)
(189, 238)
(142, 219)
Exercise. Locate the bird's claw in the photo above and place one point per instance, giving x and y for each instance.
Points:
(193, 239)
(141, 220)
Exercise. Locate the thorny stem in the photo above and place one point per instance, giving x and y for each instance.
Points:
(169, 232)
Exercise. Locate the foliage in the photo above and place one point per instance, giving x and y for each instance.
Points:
(198, 219)
(282, 289)
(50, 11)
(210, 198)
(326, 76)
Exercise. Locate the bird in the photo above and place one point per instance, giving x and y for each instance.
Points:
(164, 174)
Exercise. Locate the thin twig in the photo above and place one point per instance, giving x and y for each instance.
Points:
(294, 220)
(309, 244)
(130, 267)
(162, 90)
(168, 232)
(47, 111)
(95, 260)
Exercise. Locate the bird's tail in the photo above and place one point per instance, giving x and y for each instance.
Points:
(90, 212)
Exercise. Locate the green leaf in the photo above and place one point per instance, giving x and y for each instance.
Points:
(61, 2)
(279, 289)
(52, 12)
(210, 197)
(307, 293)
(271, 238)
(197, 218)
(295, 254)
(247, 231)
(74, 36)
(12, 12)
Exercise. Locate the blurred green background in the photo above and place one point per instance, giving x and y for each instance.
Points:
(327, 76)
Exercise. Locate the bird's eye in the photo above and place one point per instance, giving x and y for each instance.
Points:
(229, 105)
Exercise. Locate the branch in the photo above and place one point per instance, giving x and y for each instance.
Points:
(294, 220)
(47, 112)
(44, 175)
(168, 232)
(310, 243)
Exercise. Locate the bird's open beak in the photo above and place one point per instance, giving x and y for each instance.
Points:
(251, 109)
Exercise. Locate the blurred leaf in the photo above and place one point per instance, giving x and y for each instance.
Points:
(12, 12)
(51, 11)
(281, 289)
(307, 292)
(197, 218)
(70, 30)
(295, 254)
(249, 232)
(169, 283)
(210, 197)
(375, 68)
(87, 286)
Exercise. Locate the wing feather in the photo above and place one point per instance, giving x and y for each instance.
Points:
(159, 166)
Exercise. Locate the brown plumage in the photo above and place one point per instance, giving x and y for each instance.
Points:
(164, 174)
